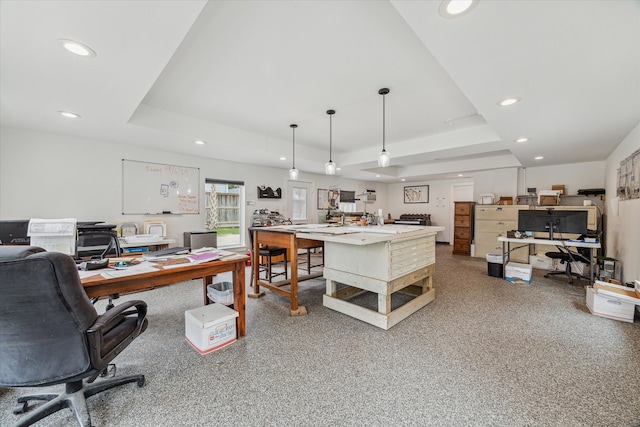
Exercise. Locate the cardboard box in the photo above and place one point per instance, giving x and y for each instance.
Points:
(603, 304)
(210, 327)
(543, 262)
(548, 201)
(560, 188)
(518, 273)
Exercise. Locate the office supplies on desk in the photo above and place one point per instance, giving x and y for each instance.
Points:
(95, 264)
(54, 235)
(142, 238)
(180, 250)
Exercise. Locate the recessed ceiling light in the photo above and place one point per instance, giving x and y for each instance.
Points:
(283, 158)
(505, 102)
(403, 179)
(460, 174)
(538, 158)
(69, 114)
(200, 142)
(338, 169)
(455, 8)
(77, 48)
(377, 176)
(523, 139)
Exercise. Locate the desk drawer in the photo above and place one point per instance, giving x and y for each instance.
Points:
(462, 233)
(499, 226)
(493, 212)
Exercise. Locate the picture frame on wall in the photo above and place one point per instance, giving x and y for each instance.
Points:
(328, 199)
(416, 194)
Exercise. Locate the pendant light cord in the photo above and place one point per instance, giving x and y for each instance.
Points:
(293, 130)
(384, 121)
(330, 136)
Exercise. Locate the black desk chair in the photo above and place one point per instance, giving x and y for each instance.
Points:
(107, 243)
(566, 257)
(268, 253)
(51, 334)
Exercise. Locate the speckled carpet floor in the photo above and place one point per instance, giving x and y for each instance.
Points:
(485, 353)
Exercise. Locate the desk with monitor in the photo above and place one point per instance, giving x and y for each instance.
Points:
(563, 229)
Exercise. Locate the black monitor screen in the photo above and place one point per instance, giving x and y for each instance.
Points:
(553, 221)
(14, 232)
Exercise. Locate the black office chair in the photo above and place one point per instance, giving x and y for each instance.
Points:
(268, 253)
(51, 334)
(567, 257)
(106, 241)
(97, 244)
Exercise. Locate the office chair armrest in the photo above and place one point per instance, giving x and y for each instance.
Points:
(111, 319)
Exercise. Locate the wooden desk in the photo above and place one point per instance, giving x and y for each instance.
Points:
(560, 244)
(99, 286)
(285, 237)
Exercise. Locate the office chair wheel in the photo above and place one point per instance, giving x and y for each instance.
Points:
(141, 382)
(20, 408)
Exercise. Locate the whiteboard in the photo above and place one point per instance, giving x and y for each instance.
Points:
(155, 188)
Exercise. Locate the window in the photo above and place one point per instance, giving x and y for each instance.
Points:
(299, 200)
(224, 206)
(299, 204)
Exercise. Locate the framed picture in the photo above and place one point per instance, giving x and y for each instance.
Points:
(416, 194)
(328, 199)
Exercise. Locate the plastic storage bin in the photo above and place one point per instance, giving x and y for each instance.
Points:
(221, 292)
(495, 265)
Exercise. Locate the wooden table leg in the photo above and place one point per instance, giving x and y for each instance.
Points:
(295, 309)
(255, 265)
(239, 288)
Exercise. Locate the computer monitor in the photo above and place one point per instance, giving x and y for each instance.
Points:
(553, 221)
(14, 232)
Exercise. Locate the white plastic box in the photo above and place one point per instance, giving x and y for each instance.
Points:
(518, 273)
(210, 327)
(542, 262)
(613, 301)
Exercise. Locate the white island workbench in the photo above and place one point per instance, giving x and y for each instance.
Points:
(380, 259)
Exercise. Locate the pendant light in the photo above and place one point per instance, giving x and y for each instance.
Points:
(293, 172)
(384, 158)
(330, 167)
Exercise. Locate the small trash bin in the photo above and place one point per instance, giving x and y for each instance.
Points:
(494, 265)
(221, 292)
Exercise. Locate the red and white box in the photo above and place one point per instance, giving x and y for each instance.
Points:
(210, 327)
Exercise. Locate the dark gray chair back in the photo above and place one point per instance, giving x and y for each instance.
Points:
(45, 314)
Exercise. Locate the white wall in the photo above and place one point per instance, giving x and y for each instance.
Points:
(623, 217)
(574, 177)
(501, 182)
(53, 176)
(439, 206)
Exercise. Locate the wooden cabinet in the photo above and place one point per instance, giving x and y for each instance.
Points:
(463, 227)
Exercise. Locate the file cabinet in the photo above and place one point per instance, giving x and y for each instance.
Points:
(463, 227)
